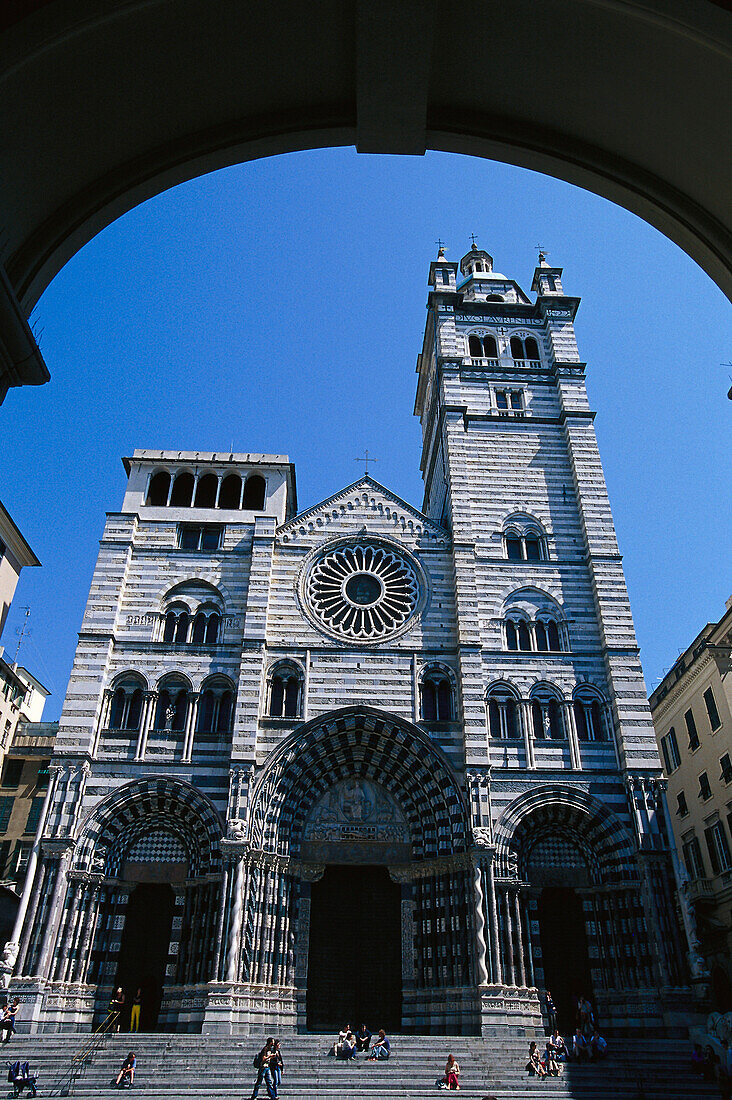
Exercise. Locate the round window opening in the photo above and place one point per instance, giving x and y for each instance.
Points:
(363, 591)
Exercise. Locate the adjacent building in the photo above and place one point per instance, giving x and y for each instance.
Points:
(692, 713)
(14, 554)
(365, 760)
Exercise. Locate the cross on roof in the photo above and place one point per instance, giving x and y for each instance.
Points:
(542, 252)
(472, 239)
(440, 244)
(366, 458)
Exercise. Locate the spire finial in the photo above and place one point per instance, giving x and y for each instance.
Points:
(440, 249)
(542, 253)
(472, 241)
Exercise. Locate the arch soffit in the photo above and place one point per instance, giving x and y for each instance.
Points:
(609, 840)
(532, 601)
(150, 798)
(388, 750)
(173, 678)
(523, 521)
(210, 589)
(129, 676)
(502, 687)
(285, 664)
(437, 668)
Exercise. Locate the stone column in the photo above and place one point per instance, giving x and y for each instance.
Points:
(190, 727)
(235, 927)
(495, 933)
(12, 947)
(86, 940)
(509, 938)
(45, 957)
(479, 906)
(148, 710)
(57, 970)
(524, 709)
(571, 726)
(519, 939)
(220, 919)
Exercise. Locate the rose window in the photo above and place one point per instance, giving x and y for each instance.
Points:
(363, 591)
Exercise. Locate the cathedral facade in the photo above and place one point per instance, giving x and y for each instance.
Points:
(362, 761)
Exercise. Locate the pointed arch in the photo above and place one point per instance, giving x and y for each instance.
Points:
(595, 828)
(366, 742)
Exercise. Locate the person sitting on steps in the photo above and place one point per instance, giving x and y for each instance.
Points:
(534, 1068)
(363, 1038)
(381, 1048)
(126, 1076)
(451, 1080)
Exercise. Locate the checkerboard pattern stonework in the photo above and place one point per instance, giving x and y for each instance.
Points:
(449, 703)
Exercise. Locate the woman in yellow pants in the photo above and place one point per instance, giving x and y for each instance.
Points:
(135, 1014)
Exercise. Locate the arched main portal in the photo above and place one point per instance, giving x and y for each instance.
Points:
(362, 800)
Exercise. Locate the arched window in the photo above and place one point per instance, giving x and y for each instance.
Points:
(126, 708)
(494, 297)
(199, 629)
(547, 720)
(230, 495)
(215, 708)
(553, 638)
(503, 718)
(182, 493)
(285, 692)
(157, 493)
(435, 695)
(181, 627)
(541, 639)
(524, 636)
(475, 347)
(212, 629)
(490, 347)
(172, 707)
(206, 491)
(517, 347)
(588, 717)
(254, 490)
(511, 635)
(532, 348)
(171, 622)
(523, 542)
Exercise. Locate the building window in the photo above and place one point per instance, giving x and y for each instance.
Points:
(254, 492)
(230, 492)
(509, 399)
(693, 859)
(181, 495)
(286, 691)
(126, 709)
(718, 848)
(206, 628)
(726, 766)
(216, 708)
(159, 489)
(524, 545)
(670, 751)
(12, 772)
(172, 708)
(546, 718)
(501, 399)
(206, 491)
(482, 347)
(588, 718)
(34, 815)
(435, 695)
(503, 720)
(6, 808)
(199, 536)
(681, 808)
(44, 774)
(524, 349)
(21, 855)
(712, 711)
(705, 791)
(4, 858)
(691, 729)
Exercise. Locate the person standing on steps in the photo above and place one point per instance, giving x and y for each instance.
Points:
(135, 1014)
(551, 1012)
(116, 1005)
(263, 1063)
(277, 1064)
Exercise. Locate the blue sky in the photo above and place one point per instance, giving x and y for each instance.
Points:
(279, 306)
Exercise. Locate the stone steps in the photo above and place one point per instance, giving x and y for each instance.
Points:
(173, 1066)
